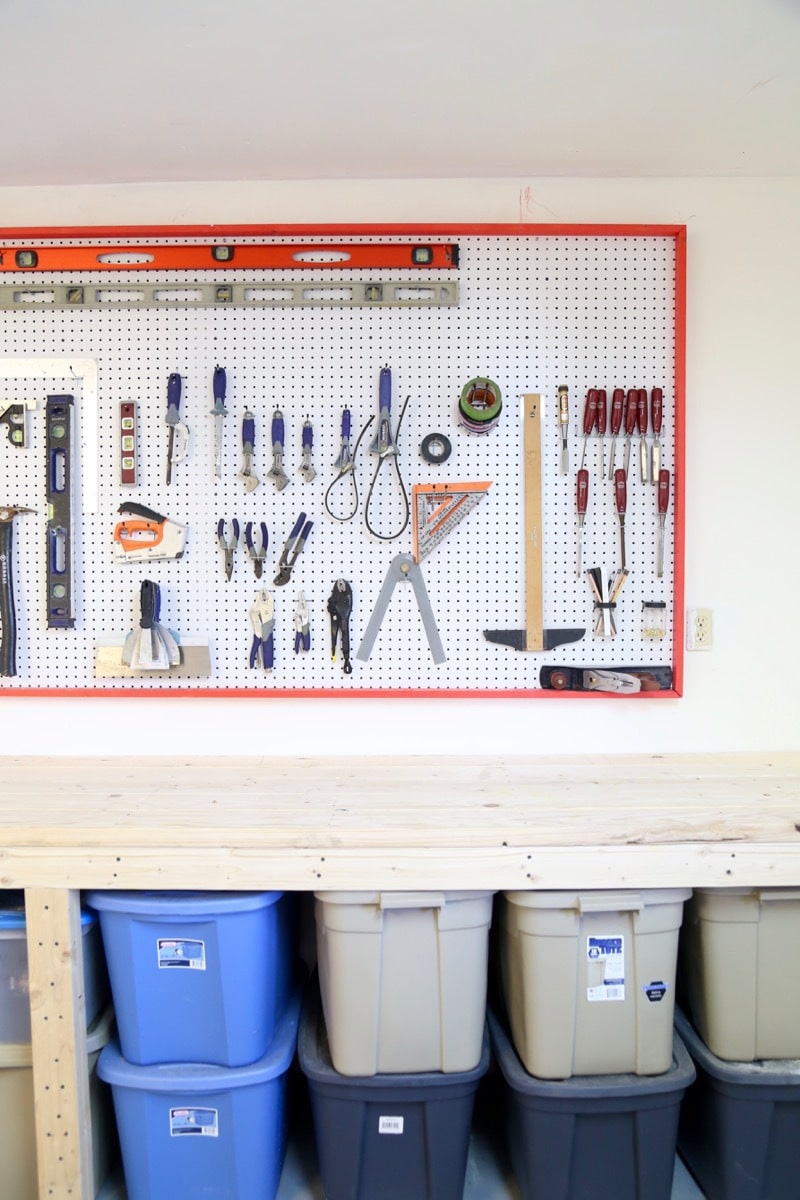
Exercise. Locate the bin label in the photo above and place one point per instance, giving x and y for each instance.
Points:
(181, 952)
(390, 1124)
(200, 1122)
(606, 967)
(655, 991)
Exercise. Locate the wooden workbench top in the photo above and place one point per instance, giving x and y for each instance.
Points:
(401, 821)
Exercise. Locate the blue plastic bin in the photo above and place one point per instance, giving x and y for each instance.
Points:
(197, 976)
(192, 1131)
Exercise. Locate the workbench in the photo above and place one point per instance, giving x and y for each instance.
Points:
(637, 821)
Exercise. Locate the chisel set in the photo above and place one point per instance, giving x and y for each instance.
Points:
(272, 463)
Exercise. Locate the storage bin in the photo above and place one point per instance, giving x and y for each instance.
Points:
(588, 979)
(15, 1014)
(592, 1137)
(740, 1125)
(197, 976)
(740, 971)
(194, 1131)
(387, 1137)
(403, 979)
(18, 1166)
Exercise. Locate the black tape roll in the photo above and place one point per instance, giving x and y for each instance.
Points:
(435, 448)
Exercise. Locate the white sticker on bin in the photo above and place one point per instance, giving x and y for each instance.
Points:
(181, 952)
(606, 957)
(197, 1122)
(390, 1124)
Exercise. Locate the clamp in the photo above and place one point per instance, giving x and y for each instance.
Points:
(228, 547)
(403, 568)
(340, 605)
(263, 623)
(257, 552)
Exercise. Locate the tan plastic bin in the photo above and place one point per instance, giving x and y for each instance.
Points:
(403, 979)
(588, 979)
(18, 1169)
(740, 969)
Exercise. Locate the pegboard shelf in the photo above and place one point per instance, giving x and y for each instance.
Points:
(537, 307)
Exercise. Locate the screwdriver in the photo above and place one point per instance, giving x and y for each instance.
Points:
(563, 420)
(663, 505)
(617, 406)
(602, 419)
(589, 418)
(656, 417)
(621, 501)
(642, 416)
(582, 500)
(631, 414)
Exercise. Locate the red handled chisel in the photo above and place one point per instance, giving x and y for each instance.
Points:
(663, 505)
(656, 419)
(617, 408)
(621, 502)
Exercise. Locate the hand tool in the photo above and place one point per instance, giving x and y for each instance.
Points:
(631, 418)
(656, 420)
(602, 421)
(340, 605)
(438, 508)
(178, 439)
(257, 553)
(8, 619)
(219, 412)
(582, 679)
(384, 444)
(617, 407)
(302, 628)
(262, 648)
(276, 472)
(480, 405)
(605, 598)
(582, 501)
(153, 537)
(292, 548)
(621, 503)
(12, 415)
(151, 647)
(534, 637)
(246, 474)
(641, 420)
(127, 444)
(403, 568)
(563, 420)
(59, 457)
(589, 419)
(345, 465)
(228, 547)
(663, 505)
(305, 470)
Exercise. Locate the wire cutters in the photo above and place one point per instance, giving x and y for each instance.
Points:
(262, 620)
(302, 628)
(228, 547)
(257, 553)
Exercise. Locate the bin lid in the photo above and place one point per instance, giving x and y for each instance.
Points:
(177, 904)
(400, 899)
(13, 919)
(20, 1054)
(763, 1072)
(608, 900)
(205, 1077)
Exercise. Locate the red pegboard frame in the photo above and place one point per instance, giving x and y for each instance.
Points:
(416, 232)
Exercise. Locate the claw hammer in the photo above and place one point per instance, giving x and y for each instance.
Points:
(8, 623)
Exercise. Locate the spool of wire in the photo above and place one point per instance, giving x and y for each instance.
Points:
(479, 405)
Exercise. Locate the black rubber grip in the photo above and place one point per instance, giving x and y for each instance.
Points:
(148, 599)
(8, 621)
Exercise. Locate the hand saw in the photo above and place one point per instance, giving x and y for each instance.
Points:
(150, 538)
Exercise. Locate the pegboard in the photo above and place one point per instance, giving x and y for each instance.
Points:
(535, 308)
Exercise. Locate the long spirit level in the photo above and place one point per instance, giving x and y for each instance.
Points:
(59, 439)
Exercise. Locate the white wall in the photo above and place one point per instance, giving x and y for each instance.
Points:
(743, 451)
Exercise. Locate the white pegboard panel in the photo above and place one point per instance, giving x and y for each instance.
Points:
(534, 312)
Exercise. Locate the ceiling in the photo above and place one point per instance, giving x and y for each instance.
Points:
(180, 90)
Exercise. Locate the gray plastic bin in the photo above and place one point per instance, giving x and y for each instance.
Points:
(740, 1125)
(592, 1137)
(387, 1137)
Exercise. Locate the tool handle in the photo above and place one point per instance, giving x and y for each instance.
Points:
(656, 409)
(663, 491)
(385, 390)
(617, 406)
(590, 411)
(174, 389)
(308, 435)
(582, 491)
(141, 510)
(631, 411)
(220, 384)
(8, 622)
(345, 423)
(297, 527)
(221, 530)
(602, 411)
(620, 491)
(248, 430)
(641, 411)
(148, 602)
(277, 428)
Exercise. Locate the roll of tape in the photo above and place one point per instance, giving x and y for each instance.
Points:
(435, 448)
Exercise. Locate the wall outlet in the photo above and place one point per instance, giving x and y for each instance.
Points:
(699, 629)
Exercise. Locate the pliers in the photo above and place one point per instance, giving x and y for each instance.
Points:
(292, 548)
(257, 553)
(302, 628)
(340, 605)
(261, 618)
(228, 547)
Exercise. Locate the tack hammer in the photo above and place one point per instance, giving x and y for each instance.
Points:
(8, 624)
